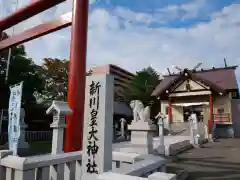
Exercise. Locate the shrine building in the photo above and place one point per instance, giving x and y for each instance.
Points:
(207, 92)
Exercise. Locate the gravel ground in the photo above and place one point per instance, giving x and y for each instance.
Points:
(215, 161)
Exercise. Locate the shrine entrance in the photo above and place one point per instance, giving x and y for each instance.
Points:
(196, 109)
(189, 92)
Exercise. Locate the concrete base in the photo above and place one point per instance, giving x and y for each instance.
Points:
(143, 140)
(142, 134)
(22, 147)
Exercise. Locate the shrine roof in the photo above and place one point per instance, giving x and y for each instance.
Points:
(217, 78)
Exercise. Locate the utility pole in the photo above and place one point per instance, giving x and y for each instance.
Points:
(10, 50)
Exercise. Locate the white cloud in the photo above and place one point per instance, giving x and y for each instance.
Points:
(171, 12)
(136, 47)
(183, 11)
(193, 9)
(131, 16)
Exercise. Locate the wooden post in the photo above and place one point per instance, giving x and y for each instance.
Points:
(211, 113)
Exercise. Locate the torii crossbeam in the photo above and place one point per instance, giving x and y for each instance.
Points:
(77, 68)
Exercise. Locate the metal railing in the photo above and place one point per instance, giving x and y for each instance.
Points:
(222, 117)
(29, 136)
(47, 136)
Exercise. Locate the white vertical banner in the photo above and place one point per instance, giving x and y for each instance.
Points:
(14, 110)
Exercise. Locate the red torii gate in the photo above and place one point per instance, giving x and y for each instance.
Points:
(77, 68)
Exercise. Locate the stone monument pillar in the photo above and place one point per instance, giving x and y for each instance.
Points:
(206, 132)
(142, 129)
(123, 121)
(194, 134)
(22, 143)
(59, 109)
(98, 123)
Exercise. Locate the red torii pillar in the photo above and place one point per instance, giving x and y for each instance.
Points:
(210, 123)
(77, 76)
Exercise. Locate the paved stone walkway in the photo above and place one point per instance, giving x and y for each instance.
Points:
(215, 161)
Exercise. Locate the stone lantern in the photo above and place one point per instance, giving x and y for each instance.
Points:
(59, 110)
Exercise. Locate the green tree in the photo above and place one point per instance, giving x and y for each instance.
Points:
(24, 69)
(142, 86)
(55, 73)
(21, 68)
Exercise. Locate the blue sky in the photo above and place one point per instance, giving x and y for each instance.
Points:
(201, 10)
(137, 33)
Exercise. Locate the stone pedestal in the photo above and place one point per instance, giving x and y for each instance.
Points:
(58, 135)
(142, 134)
(22, 143)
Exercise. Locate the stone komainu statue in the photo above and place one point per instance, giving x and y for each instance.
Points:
(140, 113)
